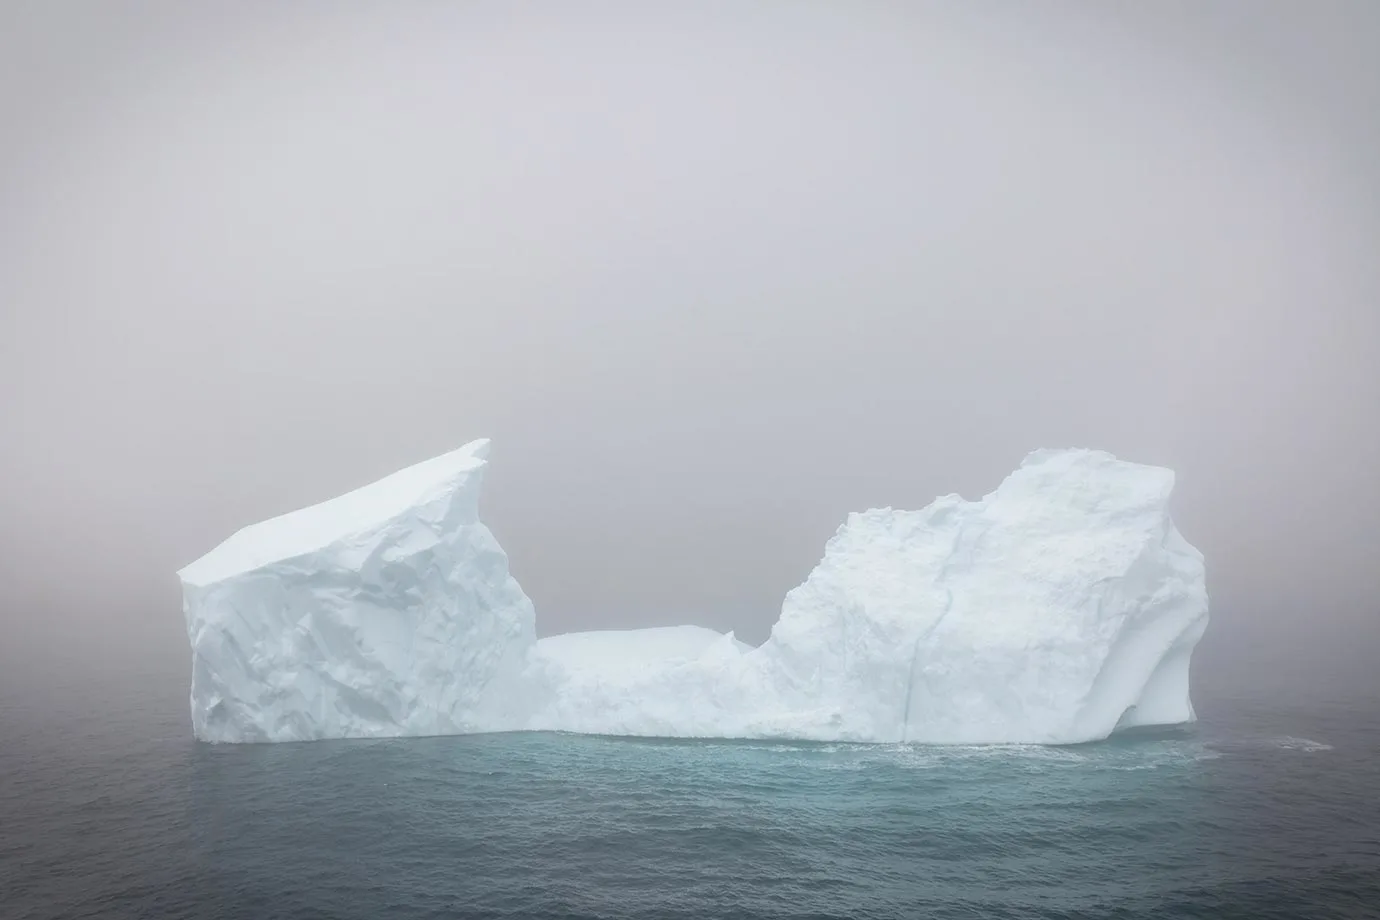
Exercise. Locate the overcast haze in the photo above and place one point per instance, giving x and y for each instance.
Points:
(709, 278)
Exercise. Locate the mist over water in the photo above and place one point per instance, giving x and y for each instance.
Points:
(710, 280)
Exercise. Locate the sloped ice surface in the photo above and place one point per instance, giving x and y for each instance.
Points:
(1060, 607)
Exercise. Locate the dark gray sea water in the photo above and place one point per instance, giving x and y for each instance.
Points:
(109, 809)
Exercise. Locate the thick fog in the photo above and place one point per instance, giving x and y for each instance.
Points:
(711, 276)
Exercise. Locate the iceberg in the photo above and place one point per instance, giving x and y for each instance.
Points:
(386, 611)
(1059, 608)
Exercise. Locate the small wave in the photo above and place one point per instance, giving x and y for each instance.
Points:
(1173, 757)
(846, 756)
(1307, 745)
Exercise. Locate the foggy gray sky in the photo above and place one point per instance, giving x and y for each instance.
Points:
(709, 277)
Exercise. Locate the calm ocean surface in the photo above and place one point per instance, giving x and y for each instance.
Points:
(1254, 812)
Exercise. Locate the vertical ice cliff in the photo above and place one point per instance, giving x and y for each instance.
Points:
(386, 611)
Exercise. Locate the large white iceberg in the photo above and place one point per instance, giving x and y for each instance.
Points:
(1059, 608)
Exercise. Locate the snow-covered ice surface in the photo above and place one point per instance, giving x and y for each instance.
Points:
(1060, 607)
(386, 611)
